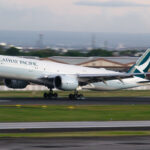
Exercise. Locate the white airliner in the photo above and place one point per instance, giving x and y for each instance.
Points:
(19, 72)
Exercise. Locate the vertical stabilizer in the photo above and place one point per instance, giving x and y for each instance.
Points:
(142, 65)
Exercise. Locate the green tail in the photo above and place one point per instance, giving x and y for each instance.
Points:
(142, 65)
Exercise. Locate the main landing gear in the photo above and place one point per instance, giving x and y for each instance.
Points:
(76, 96)
(50, 95)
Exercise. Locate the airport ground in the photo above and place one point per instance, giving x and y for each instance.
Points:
(86, 101)
(52, 113)
(125, 97)
(98, 106)
(88, 143)
(92, 94)
(15, 108)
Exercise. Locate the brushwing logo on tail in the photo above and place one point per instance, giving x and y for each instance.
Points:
(142, 65)
(143, 68)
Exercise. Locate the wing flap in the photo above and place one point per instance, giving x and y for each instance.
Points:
(90, 78)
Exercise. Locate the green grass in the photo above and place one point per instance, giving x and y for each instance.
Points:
(121, 93)
(76, 134)
(35, 113)
(75, 113)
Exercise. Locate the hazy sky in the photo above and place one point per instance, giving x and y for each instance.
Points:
(132, 16)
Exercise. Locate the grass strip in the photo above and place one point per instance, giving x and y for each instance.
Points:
(45, 113)
(76, 134)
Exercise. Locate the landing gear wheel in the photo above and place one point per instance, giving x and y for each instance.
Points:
(50, 95)
(76, 96)
(71, 96)
(80, 96)
(55, 95)
(45, 95)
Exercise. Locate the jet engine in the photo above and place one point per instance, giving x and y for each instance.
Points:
(15, 84)
(66, 82)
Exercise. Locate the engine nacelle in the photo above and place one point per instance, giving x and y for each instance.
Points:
(15, 84)
(66, 82)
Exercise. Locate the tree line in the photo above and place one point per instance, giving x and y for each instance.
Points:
(50, 52)
(74, 53)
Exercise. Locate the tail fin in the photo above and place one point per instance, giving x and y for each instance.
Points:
(142, 65)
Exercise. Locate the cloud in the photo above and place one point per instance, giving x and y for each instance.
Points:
(67, 15)
(111, 4)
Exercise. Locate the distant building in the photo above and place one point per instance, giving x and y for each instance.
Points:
(3, 44)
(112, 63)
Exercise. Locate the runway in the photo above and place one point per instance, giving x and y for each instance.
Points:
(74, 126)
(94, 143)
(87, 101)
(82, 143)
(75, 143)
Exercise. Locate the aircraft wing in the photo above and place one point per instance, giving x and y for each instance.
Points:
(90, 78)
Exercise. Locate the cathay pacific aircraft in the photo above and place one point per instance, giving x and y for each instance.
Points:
(19, 72)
